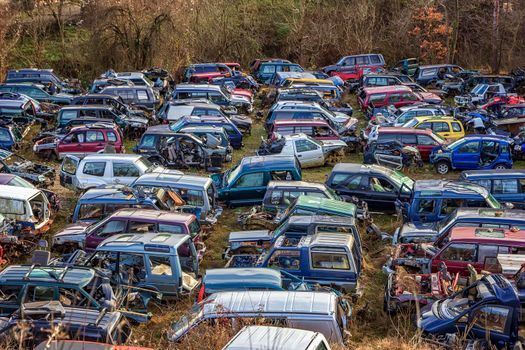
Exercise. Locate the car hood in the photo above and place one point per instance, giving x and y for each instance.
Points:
(77, 229)
(410, 233)
(241, 119)
(330, 68)
(241, 236)
(330, 145)
(63, 95)
(240, 99)
(218, 179)
(430, 97)
(135, 119)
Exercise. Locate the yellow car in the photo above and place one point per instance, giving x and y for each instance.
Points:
(446, 127)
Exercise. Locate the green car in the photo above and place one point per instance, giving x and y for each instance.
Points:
(311, 205)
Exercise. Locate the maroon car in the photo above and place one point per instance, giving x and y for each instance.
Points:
(129, 220)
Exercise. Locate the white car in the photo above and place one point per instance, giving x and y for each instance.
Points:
(308, 151)
(96, 170)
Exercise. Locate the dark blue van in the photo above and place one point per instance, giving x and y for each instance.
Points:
(507, 185)
(266, 70)
(234, 134)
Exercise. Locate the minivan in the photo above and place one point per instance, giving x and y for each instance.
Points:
(137, 95)
(266, 70)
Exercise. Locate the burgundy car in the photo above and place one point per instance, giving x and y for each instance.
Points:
(129, 220)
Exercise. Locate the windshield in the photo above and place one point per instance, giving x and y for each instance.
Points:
(19, 182)
(402, 180)
(455, 144)
(455, 305)
(185, 323)
(441, 225)
(410, 124)
(493, 202)
(226, 92)
(233, 174)
(279, 230)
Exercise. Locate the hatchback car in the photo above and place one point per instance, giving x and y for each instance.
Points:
(445, 127)
(473, 152)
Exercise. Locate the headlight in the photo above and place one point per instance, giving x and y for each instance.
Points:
(41, 178)
(440, 151)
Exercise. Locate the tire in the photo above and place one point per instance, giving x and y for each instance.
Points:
(500, 167)
(442, 167)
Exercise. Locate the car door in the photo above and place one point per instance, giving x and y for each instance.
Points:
(68, 171)
(442, 129)
(352, 185)
(94, 142)
(492, 322)
(105, 230)
(507, 190)
(466, 155)
(124, 172)
(457, 256)
(425, 144)
(308, 153)
(72, 144)
(249, 188)
(382, 194)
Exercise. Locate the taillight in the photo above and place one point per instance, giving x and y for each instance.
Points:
(201, 293)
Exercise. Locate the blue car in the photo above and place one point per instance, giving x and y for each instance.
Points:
(10, 137)
(505, 185)
(473, 152)
(234, 134)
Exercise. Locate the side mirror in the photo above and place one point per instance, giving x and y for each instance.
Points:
(509, 205)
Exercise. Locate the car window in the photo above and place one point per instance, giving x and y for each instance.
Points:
(171, 228)
(280, 175)
(39, 293)
(355, 183)
(94, 136)
(408, 96)
(428, 72)
(9, 293)
(375, 59)
(487, 251)
(361, 60)
(440, 127)
(91, 211)
(338, 178)
(425, 125)
(141, 227)
(469, 147)
(142, 95)
(376, 98)
(250, 180)
(425, 140)
(112, 137)
(380, 185)
(216, 97)
(267, 68)
(148, 141)
(459, 252)
(426, 206)
(456, 127)
(94, 168)
(505, 187)
(88, 113)
(285, 259)
(408, 139)
(485, 183)
(305, 146)
(72, 297)
(111, 227)
(160, 265)
(491, 318)
(394, 98)
(384, 138)
(67, 116)
(349, 61)
(330, 260)
(132, 267)
(448, 205)
(125, 170)
(191, 197)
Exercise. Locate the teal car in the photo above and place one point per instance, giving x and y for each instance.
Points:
(310, 205)
(246, 183)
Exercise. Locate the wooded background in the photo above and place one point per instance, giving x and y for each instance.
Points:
(82, 38)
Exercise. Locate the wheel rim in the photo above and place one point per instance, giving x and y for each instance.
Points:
(442, 168)
(499, 167)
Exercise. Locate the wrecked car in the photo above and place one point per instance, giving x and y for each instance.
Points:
(17, 181)
(480, 94)
(28, 207)
(159, 262)
(309, 152)
(38, 174)
(211, 136)
(39, 320)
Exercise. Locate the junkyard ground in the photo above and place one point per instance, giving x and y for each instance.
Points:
(371, 328)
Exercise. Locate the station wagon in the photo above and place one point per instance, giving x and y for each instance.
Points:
(505, 185)
(246, 183)
(396, 95)
(316, 311)
(143, 96)
(427, 75)
(317, 129)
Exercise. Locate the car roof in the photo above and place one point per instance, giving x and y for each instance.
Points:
(78, 107)
(5, 178)
(299, 122)
(361, 168)
(486, 234)
(271, 338)
(401, 130)
(454, 187)
(183, 179)
(157, 241)
(326, 204)
(243, 278)
(493, 174)
(433, 118)
(489, 213)
(384, 89)
(152, 214)
(485, 136)
(106, 156)
(17, 193)
(97, 96)
(262, 302)
(80, 276)
(438, 65)
(296, 184)
(197, 87)
(203, 129)
(270, 162)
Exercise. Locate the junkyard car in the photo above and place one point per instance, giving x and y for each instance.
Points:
(480, 94)
(371, 59)
(378, 186)
(37, 92)
(81, 141)
(507, 186)
(127, 220)
(107, 100)
(140, 96)
(161, 145)
(105, 169)
(211, 136)
(38, 174)
(160, 262)
(215, 93)
(38, 318)
(245, 183)
(324, 312)
(309, 152)
(428, 75)
(266, 70)
(235, 136)
(196, 191)
(432, 200)
(17, 181)
(97, 203)
(446, 128)
(461, 217)
(28, 207)
(473, 152)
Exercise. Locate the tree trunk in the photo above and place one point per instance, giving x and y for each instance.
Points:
(495, 37)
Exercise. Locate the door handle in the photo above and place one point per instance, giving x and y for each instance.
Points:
(299, 156)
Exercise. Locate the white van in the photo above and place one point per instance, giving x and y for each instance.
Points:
(316, 311)
(29, 207)
(276, 338)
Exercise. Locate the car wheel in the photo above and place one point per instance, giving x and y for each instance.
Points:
(442, 167)
(500, 167)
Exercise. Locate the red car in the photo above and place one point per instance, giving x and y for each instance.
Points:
(199, 78)
(356, 72)
(317, 129)
(423, 139)
(396, 95)
(94, 138)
